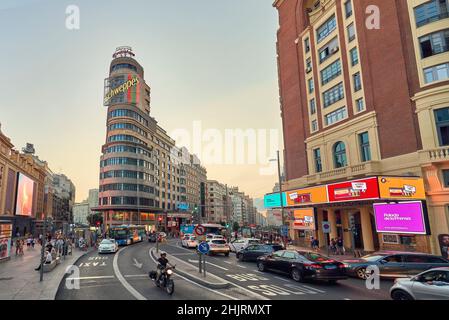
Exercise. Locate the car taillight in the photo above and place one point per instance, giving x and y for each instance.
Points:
(341, 266)
(313, 266)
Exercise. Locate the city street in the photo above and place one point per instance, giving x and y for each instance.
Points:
(125, 276)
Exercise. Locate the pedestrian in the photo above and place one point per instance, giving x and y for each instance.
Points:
(333, 245)
(32, 242)
(17, 247)
(340, 246)
(47, 260)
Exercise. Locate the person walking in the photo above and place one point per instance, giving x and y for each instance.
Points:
(333, 245)
(340, 246)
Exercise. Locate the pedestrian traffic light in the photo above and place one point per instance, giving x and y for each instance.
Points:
(160, 219)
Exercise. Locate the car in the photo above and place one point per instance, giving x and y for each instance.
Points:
(239, 244)
(303, 265)
(152, 237)
(189, 242)
(253, 251)
(218, 246)
(108, 246)
(211, 236)
(394, 264)
(432, 284)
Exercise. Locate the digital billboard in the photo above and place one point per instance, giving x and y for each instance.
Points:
(403, 217)
(273, 200)
(124, 88)
(363, 189)
(307, 196)
(5, 240)
(411, 188)
(25, 193)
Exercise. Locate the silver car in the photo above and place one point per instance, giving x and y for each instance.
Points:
(432, 284)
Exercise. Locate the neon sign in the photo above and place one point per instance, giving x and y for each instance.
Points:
(121, 89)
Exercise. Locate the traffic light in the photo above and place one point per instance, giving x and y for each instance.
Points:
(160, 219)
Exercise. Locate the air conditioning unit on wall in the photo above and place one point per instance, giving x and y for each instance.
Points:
(335, 49)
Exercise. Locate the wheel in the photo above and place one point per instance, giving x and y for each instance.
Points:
(261, 266)
(401, 295)
(240, 256)
(297, 275)
(362, 274)
(170, 287)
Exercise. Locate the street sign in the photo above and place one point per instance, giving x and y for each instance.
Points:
(203, 247)
(326, 227)
(284, 231)
(199, 230)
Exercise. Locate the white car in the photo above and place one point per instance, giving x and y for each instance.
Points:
(240, 244)
(189, 242)
(218, 246)
(108, 246)
(432, 284)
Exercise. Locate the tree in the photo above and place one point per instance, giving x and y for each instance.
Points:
(94, 219)
(235, 226)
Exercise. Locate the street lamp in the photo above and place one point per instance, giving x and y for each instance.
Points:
(280, 189)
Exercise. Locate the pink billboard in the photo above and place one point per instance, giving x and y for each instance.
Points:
(25, 192)
(403, 217)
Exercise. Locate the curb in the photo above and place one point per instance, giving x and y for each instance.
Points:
(197, 279)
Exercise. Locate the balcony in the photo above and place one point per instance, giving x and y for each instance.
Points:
(434, 155)
(349, 172)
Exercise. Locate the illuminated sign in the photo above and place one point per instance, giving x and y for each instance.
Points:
(304, 219)
(273, 200)
(403, 217)
(307, 196)
(363, 189)
(402, 188)
(127, 86)
(5, 240)
(25, 193)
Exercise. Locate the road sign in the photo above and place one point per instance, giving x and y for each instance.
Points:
(203, 247)
(326, 227)
(284, 231)
(199, 230)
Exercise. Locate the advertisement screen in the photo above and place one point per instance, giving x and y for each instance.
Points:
(402, 188)
(124, 88)
(25, 192)
(273, 200)
(363, 189)
(405, 217)
(5, 240)
(307, 196)
(304, 219)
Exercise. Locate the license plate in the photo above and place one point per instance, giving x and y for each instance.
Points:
(330, 267)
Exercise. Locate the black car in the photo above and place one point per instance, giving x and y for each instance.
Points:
(252, 252)
(152, 237)
(394, 264)
(303, 265)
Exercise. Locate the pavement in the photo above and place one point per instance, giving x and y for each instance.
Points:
(323, 251)
(19, 280)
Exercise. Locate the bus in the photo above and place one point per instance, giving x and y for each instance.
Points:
(127, 234)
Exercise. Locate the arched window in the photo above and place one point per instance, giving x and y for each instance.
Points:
(340, 159)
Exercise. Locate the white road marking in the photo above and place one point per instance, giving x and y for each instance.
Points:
(283, 279)
(135, 275)
(213, 264)
(122, 280)
(346, 299)
(197, 284)
(89, 278)
(310, 288)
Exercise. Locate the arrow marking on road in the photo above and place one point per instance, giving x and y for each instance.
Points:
(137, 264)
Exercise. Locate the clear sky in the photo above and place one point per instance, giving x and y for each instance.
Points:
(212, 61)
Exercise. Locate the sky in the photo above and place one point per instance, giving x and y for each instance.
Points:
(208, 62)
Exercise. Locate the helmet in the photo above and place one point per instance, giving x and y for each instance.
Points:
(163, 254)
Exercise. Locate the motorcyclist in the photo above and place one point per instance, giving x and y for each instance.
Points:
(163, 263)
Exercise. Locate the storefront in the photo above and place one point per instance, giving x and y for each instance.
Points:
(303, 226)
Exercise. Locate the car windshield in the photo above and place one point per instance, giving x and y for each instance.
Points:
(192, 238)
(218, 242)
(373, 257)
(106, 242)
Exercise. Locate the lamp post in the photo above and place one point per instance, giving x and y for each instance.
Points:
(280, 191)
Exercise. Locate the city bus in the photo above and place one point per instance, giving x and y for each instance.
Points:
(127, 234)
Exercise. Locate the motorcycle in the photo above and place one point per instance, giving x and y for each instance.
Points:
(165, 280)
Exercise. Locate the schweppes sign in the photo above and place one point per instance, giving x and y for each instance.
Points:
(125, 87)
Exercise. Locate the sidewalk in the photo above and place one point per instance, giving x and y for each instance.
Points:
(19, 280)
(323, 251)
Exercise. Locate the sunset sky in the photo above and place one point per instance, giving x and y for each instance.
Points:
(211, 61)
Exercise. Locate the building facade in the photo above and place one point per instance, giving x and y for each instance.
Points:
(80, 213)
(216, 202)
(360, 102)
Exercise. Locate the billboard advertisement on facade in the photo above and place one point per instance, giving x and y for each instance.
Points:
(123, 88)
(273, 200)
(304, 219)
(403, 217)
(363, 189)
(307, 196)
(404, 188)
(25, 193)
(5, 240)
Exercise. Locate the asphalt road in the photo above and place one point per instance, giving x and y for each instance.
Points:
(124, 276)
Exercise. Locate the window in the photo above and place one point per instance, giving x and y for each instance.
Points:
(431, 11)
(446, 178)
(340, 159)
(335, 116)
(354, 57)
(348, 8)
(312, 106)
(442, 124)
(436, 73)
(289, 255)
(434, 43)
(309, 65)
(328, 50)
(314, 125)
(307, 45)
(333, 95)
(311, 85)
(331, 72)
(351, 32)
(325, 29)
(365, 151)
(360, 105)
(357, 82)
(317, 160)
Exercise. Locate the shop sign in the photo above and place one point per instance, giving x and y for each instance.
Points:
(304, 219)
(307, 196)
(273, 200)
(5, 240)
(364, 189)
(403, 188)
(403, 217)
(121, 89)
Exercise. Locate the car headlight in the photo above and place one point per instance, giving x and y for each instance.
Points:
(169, 271)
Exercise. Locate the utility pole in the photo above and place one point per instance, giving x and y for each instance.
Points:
(42, 249)
(280, 196)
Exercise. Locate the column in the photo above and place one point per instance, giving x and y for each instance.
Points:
(333, 223)
(320, 234)
(367, 231)
(345, 224)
